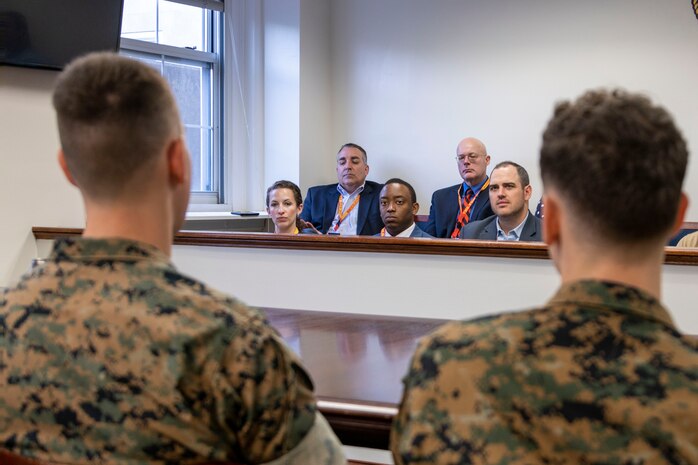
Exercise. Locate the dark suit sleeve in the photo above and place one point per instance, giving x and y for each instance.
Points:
(532, 230)
(485, 230)
(469, 231)
(307, 206)
(487, 211)
(482, 208)
(373, 222)
(430, 227)
(307, 213)
(418, 232)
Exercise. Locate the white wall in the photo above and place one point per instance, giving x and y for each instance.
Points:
(316, 150)
(32, 189)
(281, 91)
(413, 77)
(297, 66)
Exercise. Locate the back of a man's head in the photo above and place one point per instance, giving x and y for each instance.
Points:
(618, 163)
(115, 115)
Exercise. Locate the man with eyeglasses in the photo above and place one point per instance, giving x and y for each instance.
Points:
(454, 207)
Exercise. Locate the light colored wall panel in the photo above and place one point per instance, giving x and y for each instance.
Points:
(32, 188)
(281, 93)
(395, 284)
(316, 150)
(412, 77)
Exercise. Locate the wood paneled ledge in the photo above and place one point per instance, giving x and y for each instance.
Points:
(674, 256)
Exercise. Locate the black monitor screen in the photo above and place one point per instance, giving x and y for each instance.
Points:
(50, 33)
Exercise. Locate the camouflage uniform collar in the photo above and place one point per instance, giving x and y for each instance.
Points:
(614, 296)
(83, 249)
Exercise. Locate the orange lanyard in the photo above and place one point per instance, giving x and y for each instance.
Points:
(465, 209)
(343, 214)
(462, 206)
(383, 232)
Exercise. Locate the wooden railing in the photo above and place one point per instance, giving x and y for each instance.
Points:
(534, 250)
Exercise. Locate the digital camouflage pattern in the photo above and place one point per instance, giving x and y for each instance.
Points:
(109, 355)
(599, 375)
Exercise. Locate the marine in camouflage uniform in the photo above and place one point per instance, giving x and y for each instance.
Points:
(109, 355)
(600, 375)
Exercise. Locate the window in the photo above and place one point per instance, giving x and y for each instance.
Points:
(182, 39)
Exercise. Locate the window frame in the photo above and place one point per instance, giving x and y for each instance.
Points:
(215, 199)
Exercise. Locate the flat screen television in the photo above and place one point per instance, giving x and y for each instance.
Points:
(50, 33)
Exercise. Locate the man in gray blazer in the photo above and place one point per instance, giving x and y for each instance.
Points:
(510, 191)
(398, 205)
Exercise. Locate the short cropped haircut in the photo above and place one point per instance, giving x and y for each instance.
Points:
(413, 194)
(520, 170)
(354, 146)
(618, 161)
(115, 115)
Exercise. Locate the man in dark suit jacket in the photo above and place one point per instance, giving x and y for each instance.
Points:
(398, 205)
(349, 207)
(509, 193)
(452, 207)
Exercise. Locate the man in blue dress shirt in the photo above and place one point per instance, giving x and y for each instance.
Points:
(349, 207)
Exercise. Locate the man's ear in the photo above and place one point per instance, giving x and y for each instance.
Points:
(528, 190)
(680, 214)
(415, 208)
(64, 167)
(177, 162)
(551, 220)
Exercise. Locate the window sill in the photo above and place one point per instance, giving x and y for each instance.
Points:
(226, 221)
(225, 215)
